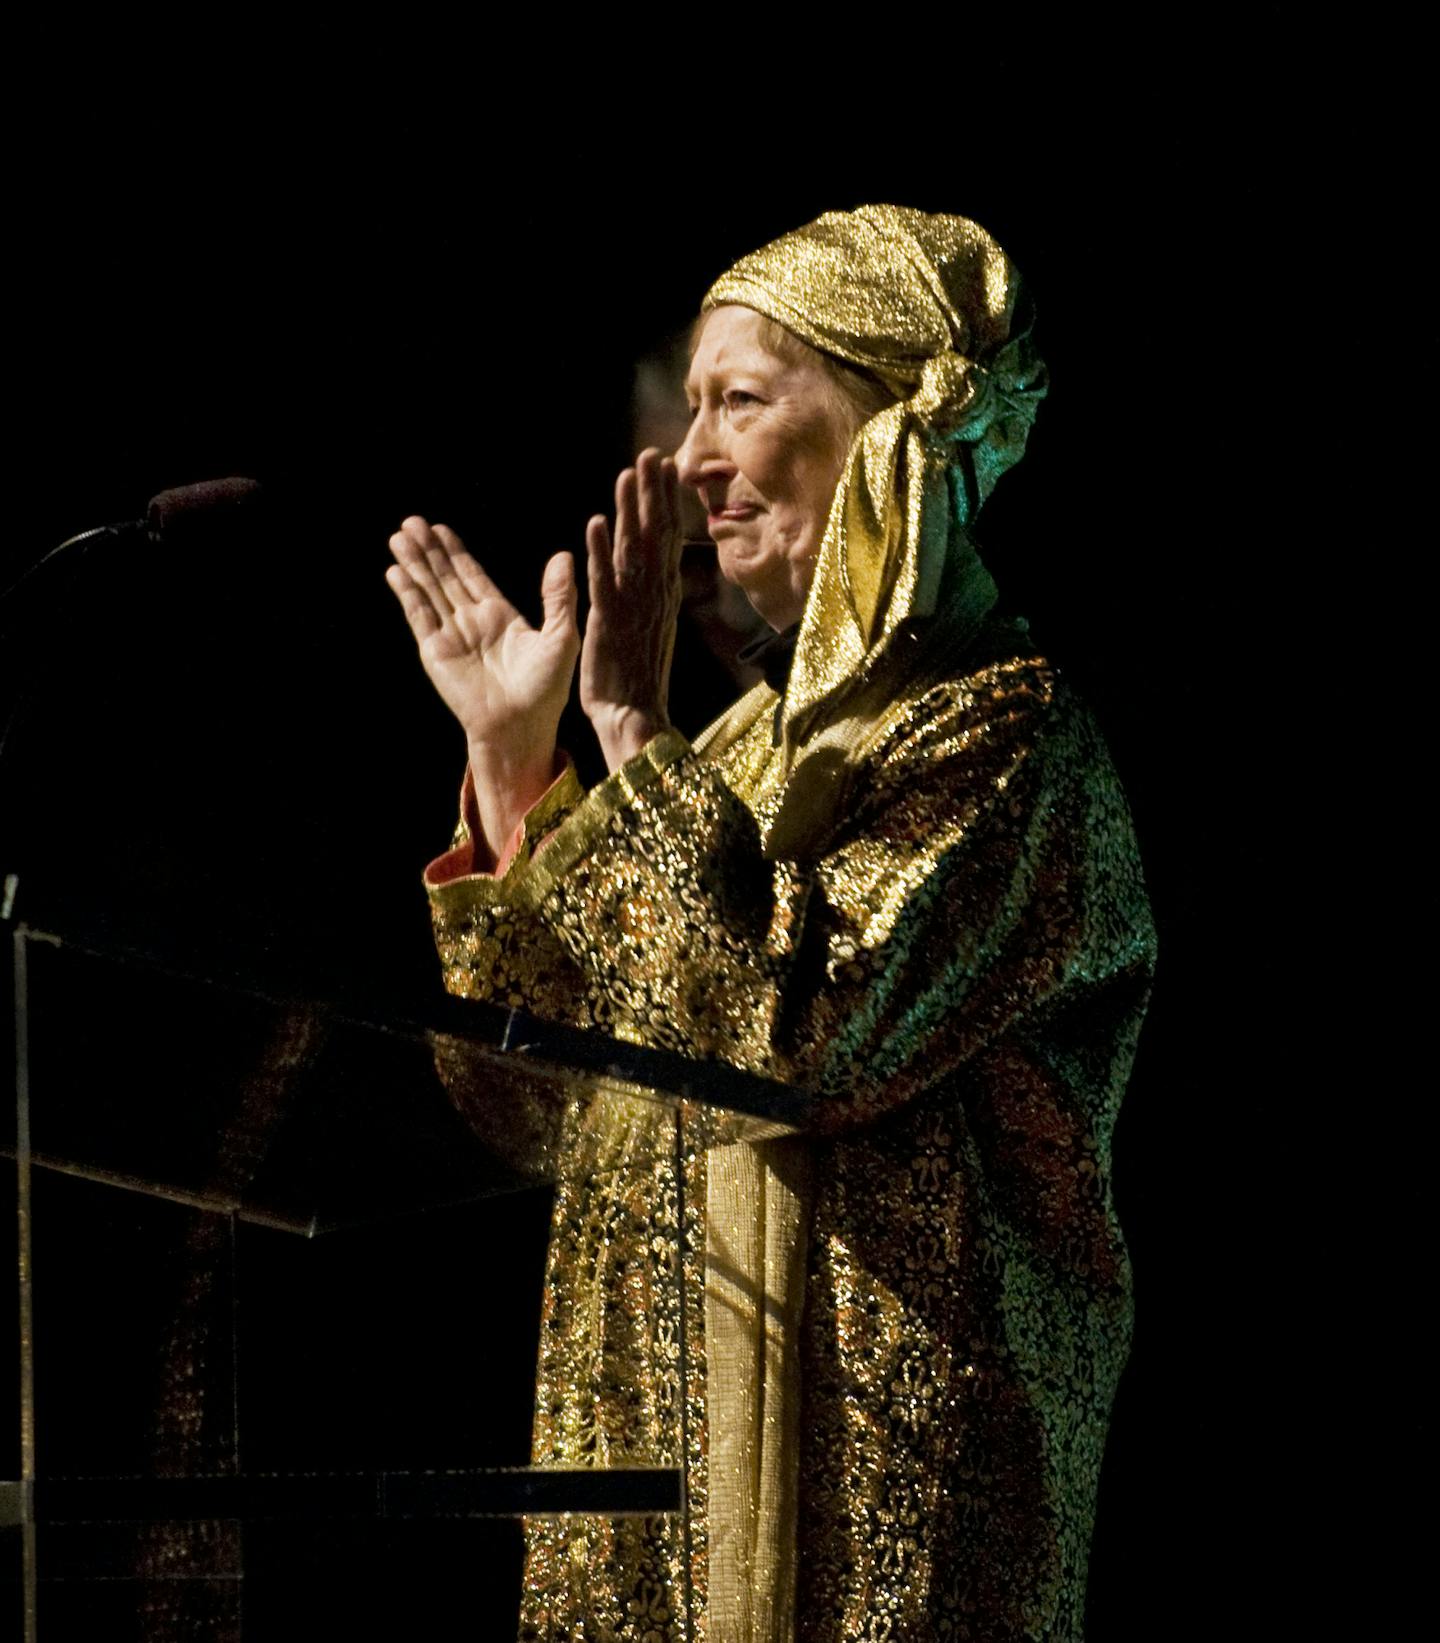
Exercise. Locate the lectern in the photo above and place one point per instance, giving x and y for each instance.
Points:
(276, 1294)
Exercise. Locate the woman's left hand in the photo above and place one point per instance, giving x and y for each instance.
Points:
(634, 604)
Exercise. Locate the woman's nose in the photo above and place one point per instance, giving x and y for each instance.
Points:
(699, 457)
(686, 465)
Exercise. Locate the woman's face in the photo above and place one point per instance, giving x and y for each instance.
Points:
(765, 450)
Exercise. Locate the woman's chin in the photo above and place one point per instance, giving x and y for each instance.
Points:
(770, 589)
(781, 607)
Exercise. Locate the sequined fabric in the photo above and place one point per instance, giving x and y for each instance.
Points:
(957, 974)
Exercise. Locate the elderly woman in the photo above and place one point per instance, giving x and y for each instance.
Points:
(899, 875)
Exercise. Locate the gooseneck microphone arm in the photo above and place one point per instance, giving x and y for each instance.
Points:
(170, 509)
(78, 540)
(179, 506)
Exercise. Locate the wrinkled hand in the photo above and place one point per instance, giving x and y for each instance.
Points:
(634, 604)
(505, 681)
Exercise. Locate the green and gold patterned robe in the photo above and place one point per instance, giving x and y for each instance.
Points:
(955, 974)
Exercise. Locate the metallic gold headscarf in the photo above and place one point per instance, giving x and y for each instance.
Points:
(929, 305)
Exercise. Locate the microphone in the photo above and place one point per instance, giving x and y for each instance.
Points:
(187, 504)
(172, 511)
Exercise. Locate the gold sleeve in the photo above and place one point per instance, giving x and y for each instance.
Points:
(493, 945)
(494, 948)
(983, 869)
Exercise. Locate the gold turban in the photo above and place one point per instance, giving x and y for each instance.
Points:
(929, 305)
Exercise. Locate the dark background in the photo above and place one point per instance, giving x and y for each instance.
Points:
(380, 287)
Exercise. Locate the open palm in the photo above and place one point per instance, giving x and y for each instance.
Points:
(504, 680)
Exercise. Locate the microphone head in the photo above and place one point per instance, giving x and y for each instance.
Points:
(188, 502)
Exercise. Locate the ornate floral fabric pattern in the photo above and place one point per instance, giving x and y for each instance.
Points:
(957, 976)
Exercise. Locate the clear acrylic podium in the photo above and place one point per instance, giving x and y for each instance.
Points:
(273, 1330)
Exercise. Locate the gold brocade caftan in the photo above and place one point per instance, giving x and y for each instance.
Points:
(957, 977)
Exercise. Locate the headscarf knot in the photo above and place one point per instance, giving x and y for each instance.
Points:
(952, 388)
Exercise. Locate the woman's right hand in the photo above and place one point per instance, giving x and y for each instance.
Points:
(505, 681)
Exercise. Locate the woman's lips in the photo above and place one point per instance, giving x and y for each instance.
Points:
(733, 515)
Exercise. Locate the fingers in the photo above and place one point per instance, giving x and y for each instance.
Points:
(413, 545)
(600, 561)
(627, 524)
(658, 487)
(438, 562)
(647, 516)
(670, 490)
(419, 612)
(660, 512)
(441, 543)
(558, 595)
(651, 501)
(469, 571)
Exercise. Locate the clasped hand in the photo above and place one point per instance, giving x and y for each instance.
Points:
(507, 682)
